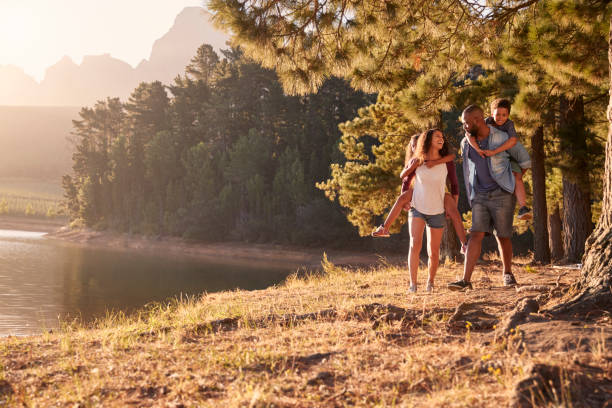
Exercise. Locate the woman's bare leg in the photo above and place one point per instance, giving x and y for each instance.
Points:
(434, 237)
(416, 227)
(450, 206)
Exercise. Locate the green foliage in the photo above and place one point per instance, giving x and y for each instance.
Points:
(428, 59)
(225, 154)
(29, 210)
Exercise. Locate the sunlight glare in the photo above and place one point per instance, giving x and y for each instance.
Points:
(19, 30)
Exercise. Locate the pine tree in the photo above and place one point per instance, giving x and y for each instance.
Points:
(414, 47)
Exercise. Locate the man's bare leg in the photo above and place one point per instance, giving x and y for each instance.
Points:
(505, 250)
(473, 252)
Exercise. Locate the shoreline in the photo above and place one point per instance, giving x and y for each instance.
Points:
(32, 224)
(238, 252)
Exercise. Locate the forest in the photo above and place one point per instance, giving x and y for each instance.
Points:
(266, 145)
(221, 154)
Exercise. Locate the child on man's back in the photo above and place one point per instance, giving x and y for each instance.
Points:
(500, 109)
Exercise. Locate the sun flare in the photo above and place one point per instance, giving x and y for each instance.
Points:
(19, 30)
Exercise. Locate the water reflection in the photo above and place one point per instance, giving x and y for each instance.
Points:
(41, 280)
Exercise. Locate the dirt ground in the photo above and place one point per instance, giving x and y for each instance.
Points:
(344, 337)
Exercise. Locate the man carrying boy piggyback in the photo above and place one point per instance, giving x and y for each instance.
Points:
(490, 185)
(500, 112)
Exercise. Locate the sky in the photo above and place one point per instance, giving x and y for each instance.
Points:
(35, 34)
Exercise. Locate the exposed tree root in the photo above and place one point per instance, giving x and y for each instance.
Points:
(553, 386)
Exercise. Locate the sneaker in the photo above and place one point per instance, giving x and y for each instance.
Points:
(524, 213)
(412, 289)
(460, 285)
(429, 288)
(463, 250)
(509, 279)
(380, 232)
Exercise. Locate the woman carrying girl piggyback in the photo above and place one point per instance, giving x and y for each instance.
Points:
(428, 201)
(405, 198)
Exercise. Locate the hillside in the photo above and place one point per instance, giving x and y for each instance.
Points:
(34, 141)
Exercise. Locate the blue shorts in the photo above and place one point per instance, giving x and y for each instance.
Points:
(432, 221)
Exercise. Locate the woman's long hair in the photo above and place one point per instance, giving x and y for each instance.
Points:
(424, 144)
(409, 150)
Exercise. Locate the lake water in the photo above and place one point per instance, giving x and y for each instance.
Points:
(43, 281)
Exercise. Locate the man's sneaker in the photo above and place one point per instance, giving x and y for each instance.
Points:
(509, 279)
(463, 250)
(429, 288)
(524, 213)
(412, 289)
(460, 285)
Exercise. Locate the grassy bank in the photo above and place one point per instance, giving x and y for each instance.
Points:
(343, 337)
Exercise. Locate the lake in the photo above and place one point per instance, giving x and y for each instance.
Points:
(44, 281)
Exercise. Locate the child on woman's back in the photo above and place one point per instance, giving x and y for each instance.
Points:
(500, 109)
(405, 198)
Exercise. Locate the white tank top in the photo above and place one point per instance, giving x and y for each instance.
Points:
(428, 190)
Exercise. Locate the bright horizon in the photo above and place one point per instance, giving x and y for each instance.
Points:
(38, 33)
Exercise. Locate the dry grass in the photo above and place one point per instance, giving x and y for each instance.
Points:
(345, 337)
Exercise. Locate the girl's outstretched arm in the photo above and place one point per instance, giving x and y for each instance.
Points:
(412, 165)
(448, 158)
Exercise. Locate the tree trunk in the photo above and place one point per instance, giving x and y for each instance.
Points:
(540, 211)
(577, 223)
(576, 220)
(450, 244)
(596, 278)
(554, 234)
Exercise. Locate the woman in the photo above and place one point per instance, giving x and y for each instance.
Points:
(427, 205)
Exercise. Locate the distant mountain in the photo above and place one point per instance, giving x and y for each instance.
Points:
(174, 50)
(100, 76)
(16, 87)
(69, 84)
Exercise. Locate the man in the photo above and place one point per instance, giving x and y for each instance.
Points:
(490, 189)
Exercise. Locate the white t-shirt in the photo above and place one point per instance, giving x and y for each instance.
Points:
(429, 188)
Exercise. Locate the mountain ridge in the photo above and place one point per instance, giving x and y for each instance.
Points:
(99, 76)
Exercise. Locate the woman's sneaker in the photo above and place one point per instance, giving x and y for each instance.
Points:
(509, 280)
(460, 285)
(412, 289)
(429, 288)
(524, 213)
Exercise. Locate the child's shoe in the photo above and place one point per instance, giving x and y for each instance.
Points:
(380, 232)
(524, 213)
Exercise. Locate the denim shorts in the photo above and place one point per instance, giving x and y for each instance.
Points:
(432, 221)
(493, 211)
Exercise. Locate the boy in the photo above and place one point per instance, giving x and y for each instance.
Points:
(500, 108)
